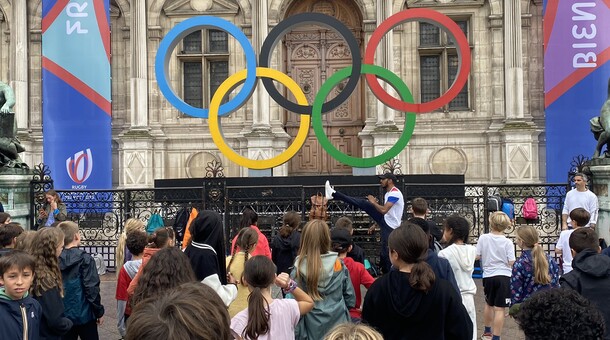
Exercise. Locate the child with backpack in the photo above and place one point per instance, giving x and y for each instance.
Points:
(325, 278)
(461, 257)
(265, 317)
(497, 255)
(246, 241)
(285, 245)
(82, 300)
(580, 218)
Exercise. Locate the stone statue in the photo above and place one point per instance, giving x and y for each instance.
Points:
(600, 126)
(10, 147)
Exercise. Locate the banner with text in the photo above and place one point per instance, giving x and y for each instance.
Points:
(76, 89)
(576, 78)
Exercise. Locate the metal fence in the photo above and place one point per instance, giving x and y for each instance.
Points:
(101, 213)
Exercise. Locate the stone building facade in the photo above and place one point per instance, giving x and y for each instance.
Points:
(493, 132)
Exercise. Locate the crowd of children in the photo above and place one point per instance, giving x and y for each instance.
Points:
(305, 284)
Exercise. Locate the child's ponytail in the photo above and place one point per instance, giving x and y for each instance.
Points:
(411, 244)
(529, 237)
(422, 276)
(290, 223)
(259, 274)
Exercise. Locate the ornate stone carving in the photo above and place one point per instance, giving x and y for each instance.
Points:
(448, 161)
(339, 51)
(306, 52)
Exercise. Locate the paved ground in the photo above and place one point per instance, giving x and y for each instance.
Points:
(108, 330)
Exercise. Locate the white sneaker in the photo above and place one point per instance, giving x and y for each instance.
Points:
(328, 191)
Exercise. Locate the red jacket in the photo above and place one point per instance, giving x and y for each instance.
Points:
(359, 275)
(262, 246)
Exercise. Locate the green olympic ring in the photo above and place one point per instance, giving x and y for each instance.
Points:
(334, 80)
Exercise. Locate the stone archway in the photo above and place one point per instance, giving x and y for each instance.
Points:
(311, 55)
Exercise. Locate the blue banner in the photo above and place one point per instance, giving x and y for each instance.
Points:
(76, 99)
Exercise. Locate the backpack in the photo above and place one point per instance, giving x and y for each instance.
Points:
(530, 209)
(319, 209)
(494, 203)
(100, 264)
(179, 226)
(155, 222)
(508, 208)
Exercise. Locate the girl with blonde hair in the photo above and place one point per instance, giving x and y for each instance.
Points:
(122, 253)
(322, 275)
(247, 239)
(534, 270)
(48, 286)
(350, 331)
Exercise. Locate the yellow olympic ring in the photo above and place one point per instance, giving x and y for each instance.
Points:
(218, 138)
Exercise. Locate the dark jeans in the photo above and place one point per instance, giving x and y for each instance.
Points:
(86, 331)
(369, 208)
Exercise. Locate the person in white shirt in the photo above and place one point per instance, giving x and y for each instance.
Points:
(387, 216)
(579, 218)
(579, 197)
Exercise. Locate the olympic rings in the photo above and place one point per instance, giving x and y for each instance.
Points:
(433, 17)
(402, 142)
(302, 19)
(218, 138)
(175, 35)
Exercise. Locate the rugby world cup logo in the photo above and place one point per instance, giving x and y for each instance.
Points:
(79, 166)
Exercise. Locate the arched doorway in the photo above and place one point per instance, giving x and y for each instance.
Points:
(311, 55)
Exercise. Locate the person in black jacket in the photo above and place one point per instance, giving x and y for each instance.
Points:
(419, 207)
(19, 313)
(48, 287)
(82, 299)
(590, 275)
(285, 245)
(357, 253)
(411, 302)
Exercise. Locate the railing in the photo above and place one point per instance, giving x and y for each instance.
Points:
(101, 214)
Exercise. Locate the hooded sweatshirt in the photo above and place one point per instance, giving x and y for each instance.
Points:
(82, 300)
(590, 277)
(338, 296)
(284, 250)
(398, 311)
(461, 257)
(19, 316)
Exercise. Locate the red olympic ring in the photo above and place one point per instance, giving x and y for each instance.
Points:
(432, 17)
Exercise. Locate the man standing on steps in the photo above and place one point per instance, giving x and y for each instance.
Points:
(579, 197)
(388, 216)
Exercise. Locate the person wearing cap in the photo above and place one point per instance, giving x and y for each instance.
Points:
(387, 216)
(341, 242)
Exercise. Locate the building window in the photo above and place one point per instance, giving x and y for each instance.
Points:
(439, 64)
(205, 65)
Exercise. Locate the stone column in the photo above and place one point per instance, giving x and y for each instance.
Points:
(139, 72)
(260, 29)
(19, 29)
(600, 168)
(513, 62)
(385, 58)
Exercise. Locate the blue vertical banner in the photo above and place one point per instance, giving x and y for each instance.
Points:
(76, 86)
(576, 74)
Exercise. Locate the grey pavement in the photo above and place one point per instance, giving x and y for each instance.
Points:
(108, 331)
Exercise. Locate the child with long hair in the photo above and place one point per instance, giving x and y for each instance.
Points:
(285, 245)
(461, 257)
(249, 219)
(325, 278)
(122, 253)
(206, 251)
(534, 270)
(350, 331)
(53, 210)
(167, 268)
(268, 318)
(246, 241)
(48, 285)
(411, 302)
(161, 238)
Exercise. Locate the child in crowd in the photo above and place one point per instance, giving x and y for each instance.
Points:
(161, 238)
(356, 253)
(285, 245)
(47, 288)
(8, 237)
(341, 242)
(122, 252)
(410, 302)
(168, 268)
(206, 252)
(265, 317)
(534, 270)
(82, 300)
(325, 278)
(350, 331)
(24, 241)
(580, 218)
(5, 218)
(19, 312)
(497, 255)
(189, 311)
(590, 276)
(461, 257)
(249, 219)
(246, 241)
(136, 242)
